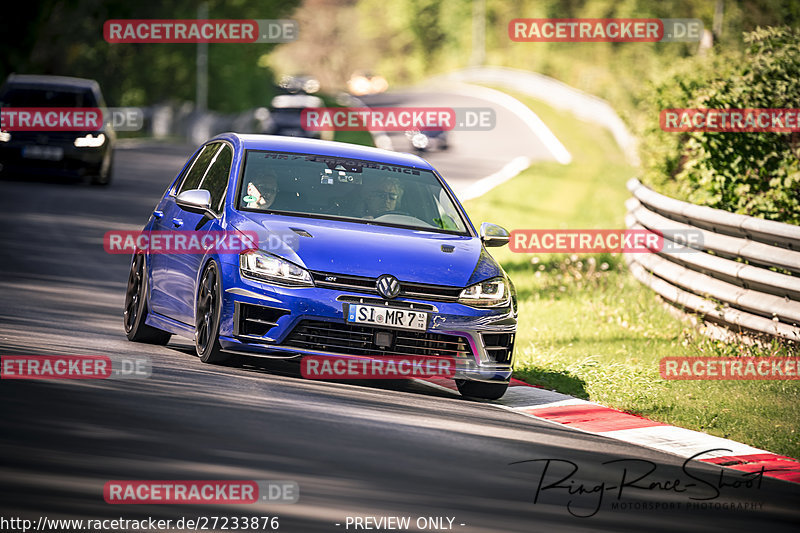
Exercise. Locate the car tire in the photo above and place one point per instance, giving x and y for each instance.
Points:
(135, 312)
(481, 389)
(103, 178)
(208, 309)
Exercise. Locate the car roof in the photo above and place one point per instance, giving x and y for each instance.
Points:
(332, 148)
(51, 81)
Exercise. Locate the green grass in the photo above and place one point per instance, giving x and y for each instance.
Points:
(589, 329)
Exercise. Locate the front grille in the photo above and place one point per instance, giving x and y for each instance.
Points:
(432, 292)
(54, 138)
(352, 339)
(345, 283)
(499, 346)
(399, 304)
(443, 293)
(255, 320)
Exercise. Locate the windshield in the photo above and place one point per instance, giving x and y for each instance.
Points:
(48, 97)
(363, 191)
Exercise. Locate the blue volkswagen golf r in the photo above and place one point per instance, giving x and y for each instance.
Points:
(361, 252)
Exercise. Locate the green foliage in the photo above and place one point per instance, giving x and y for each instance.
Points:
(590, 329)
(756, 174)
(426, 27)
(66, 38)
(409, 40)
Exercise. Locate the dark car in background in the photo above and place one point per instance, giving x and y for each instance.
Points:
(49, 151)
(428, 140)
(285, 115)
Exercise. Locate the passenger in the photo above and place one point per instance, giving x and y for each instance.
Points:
(263, 189)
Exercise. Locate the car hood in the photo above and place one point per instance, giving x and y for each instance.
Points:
(369, 250)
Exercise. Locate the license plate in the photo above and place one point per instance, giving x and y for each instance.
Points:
(388, 316)
(50, 153)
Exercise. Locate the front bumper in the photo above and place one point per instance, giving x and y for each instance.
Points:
(72, 163)
(259, 318)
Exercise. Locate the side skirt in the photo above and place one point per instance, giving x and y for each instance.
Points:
(168, 324)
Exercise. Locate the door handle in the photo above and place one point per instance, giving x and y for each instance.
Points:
(158, 214)
(177, 222)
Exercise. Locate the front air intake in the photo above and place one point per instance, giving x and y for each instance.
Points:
(255, 320)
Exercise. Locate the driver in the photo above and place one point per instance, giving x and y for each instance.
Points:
(381, 197)
(261, 191)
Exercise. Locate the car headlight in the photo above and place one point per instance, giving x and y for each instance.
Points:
(90, 141)
(491, 293)
(266, 267)
(419, 140)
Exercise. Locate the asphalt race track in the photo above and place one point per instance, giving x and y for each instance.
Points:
(472, 154)
(354, 449)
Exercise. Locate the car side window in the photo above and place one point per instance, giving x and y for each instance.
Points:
(215, 180)
(199, 167)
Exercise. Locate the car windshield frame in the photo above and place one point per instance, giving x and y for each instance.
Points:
(85, 94)
(236, 204)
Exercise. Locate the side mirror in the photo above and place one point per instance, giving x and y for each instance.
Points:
(195, 200)
(493, 235)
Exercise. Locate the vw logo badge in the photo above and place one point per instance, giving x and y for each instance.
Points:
(388, 286)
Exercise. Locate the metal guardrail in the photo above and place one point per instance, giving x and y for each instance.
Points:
(744, 273)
